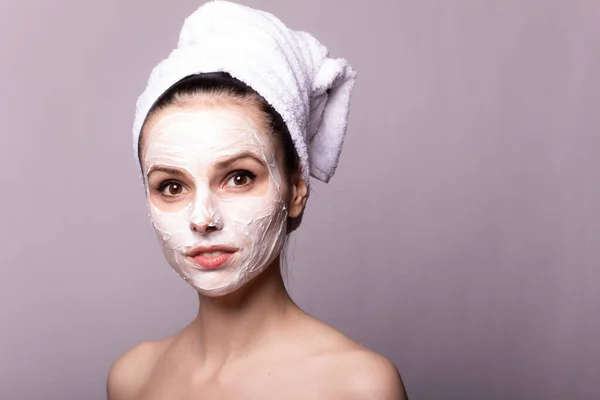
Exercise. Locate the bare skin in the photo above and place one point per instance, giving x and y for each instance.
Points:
(255, 343)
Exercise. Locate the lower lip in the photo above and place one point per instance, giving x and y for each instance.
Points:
(212, 262)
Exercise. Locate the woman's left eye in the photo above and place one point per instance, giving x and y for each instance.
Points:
(240, 179)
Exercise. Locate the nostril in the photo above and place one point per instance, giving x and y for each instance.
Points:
(198, 227)
(206, 226)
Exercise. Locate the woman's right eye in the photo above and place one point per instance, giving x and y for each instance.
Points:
(171, 189)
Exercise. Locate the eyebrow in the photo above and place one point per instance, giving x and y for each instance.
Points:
(226, 163)
(167, 170)
(221, 164)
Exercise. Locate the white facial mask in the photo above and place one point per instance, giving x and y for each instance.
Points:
(254, 224)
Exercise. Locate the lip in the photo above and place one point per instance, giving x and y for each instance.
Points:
(211, 262)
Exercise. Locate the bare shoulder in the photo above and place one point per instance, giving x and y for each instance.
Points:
(131, 370)
(370, 376)
(354, 371)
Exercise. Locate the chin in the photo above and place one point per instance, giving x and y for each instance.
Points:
(221, 282)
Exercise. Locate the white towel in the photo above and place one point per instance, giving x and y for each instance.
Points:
(291, 70)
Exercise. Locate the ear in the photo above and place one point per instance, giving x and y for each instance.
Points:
(298, 196)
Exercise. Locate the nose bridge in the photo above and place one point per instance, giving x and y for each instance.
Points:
(204, 207)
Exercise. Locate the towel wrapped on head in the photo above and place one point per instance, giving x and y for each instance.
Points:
(291, 70)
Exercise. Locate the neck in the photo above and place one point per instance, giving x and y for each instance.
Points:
(239, 323)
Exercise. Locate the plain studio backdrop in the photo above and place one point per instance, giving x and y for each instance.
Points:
(460, 237)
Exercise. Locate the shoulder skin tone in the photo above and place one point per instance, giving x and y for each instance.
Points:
(249, 340)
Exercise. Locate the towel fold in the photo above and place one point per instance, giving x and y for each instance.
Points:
(290, 69)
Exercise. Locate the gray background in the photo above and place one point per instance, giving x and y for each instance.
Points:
(460, 236)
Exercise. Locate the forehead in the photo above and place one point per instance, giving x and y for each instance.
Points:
(205, 129)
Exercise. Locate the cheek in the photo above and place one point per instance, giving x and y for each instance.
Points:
(245, 210)
(172, 228)
(157, 201)
(251, 210)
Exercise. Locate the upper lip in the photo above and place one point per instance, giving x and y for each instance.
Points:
(209, 249)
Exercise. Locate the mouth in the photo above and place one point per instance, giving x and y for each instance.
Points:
(212, 257)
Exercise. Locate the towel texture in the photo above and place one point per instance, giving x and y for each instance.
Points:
(290, 69)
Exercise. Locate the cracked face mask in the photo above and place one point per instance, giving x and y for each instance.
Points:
(215, 194)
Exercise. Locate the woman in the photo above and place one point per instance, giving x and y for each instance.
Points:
(227, 133)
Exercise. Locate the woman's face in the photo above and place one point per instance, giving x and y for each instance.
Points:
(215, 194)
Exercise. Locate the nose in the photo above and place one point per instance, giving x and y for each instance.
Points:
(205, 218)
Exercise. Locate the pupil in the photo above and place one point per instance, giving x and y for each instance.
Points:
(175, 188)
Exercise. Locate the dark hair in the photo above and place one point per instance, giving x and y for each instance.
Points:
(223, 84)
